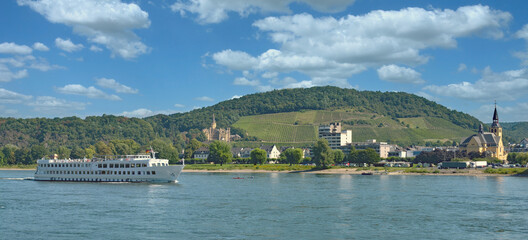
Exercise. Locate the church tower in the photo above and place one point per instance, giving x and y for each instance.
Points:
(213, 126)
(495, 126)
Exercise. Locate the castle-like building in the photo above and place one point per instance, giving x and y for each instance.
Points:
(220, 134)
(490, 142)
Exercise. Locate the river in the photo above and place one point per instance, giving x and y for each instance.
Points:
(266, 206)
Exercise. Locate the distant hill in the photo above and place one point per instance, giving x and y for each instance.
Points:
(389, 108)
(514, 132)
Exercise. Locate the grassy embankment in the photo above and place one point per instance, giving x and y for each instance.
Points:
(300, 128)
(520, 171)
(265, 167)
(19, 166)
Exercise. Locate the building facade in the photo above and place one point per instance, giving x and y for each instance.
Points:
(487, 142)
(219, 134)
(334, 135)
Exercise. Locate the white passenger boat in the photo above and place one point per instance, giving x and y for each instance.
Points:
(122, 168)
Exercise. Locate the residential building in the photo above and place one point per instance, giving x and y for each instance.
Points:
(272, 151)
(201, 153)
(382, 148)
(334, 135)
(239, 152)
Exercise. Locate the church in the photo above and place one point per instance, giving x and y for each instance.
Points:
(490, 142)
(214, 133)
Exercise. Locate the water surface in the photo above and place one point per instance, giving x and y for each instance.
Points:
(267, 206)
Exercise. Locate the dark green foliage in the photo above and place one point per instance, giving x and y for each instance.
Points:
(220, 152)
(292, 155)
(518, 158)
(368, 156)
(258, 156)
(323, 154)
(339, 156)
(393, 104)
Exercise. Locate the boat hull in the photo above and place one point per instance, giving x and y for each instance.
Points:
(162, 174)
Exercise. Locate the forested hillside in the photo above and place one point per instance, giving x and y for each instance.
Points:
(392, 104)
(75, 132)
(514, 132)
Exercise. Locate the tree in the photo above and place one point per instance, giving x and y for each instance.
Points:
(323, 155)
(22, 156)
(368, 156)
(258, 156)
(38, 152)
(102, 149)
(165, 149)
(339, 156)
(9, 153)
(220, 152)
(293, 155)
(78, 153)
(191, 147)
(90, 152)
(63, 152)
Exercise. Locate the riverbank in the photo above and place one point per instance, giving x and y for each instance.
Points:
(345, 170)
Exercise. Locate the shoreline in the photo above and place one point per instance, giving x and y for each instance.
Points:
(342, 171)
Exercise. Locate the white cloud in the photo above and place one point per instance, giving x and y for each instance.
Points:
(523, 34)
(246, 82)
(113, 84)
(235, 97)
(94, 48)
(6, 75)
(331, 50)
(205, 99)
(109, 23)
(235, 60)
(7, 96)
(515, 113)
(461, 67)
(215, 11)
(55, 105)
(143, 112)
(40, 46)
(179, 105)
(509, 85)
(393, 73)
(13, 48)
(91, 92)
(67, 45)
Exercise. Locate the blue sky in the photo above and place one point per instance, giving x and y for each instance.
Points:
(139, 58)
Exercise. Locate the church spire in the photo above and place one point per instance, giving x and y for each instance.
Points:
(213, 126)
(495, 117)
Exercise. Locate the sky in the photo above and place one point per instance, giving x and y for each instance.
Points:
(139, 58)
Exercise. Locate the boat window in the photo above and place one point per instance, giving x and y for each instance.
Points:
(111, 165)
(133, 172)
(127, 165)
(139, 172)
(133, 165)
(148, 172)
(144, 165)
(104, 165)
(153, 172)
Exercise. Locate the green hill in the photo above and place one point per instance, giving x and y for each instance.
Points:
(299, 112)
(514, 132)
(296, 128)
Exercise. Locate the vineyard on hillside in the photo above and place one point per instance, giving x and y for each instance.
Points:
(301, 127)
